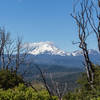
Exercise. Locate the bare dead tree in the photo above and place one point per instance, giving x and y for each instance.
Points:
(21, 54)
(10, 49)
(82, 21)
(11, 52)
(18, 53)
(58, 89)
(45, 82)
(93, 15)
(4, 38)
(55, 89)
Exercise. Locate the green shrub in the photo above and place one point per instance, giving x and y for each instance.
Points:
(24, 93)
(9, 79)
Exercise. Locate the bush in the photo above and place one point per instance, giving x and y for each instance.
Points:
(24, 93)
(9, 79)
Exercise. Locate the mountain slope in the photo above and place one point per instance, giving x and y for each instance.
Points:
(48, 53)
(46, 48)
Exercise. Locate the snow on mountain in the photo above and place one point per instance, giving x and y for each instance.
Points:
(77, 53)
(48, 53)
(94, 52)
(90, 51)
(49, 48)
(45, 48)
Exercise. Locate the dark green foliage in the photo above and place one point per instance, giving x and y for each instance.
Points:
(9, 79)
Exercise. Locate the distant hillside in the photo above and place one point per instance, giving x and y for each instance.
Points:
(47, 53)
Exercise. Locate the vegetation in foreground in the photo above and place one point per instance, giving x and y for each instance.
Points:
(85, 92)
(9, 79)
(12, 87)
(9, 90)
(21, 92)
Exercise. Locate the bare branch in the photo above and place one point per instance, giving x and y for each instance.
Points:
(82, 20)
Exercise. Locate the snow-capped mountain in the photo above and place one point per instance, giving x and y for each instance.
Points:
(94, 52)
(49, 48)
(48, 53)
(46, 48)
(90, 51)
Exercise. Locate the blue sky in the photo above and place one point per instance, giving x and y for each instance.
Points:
(41, 20)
